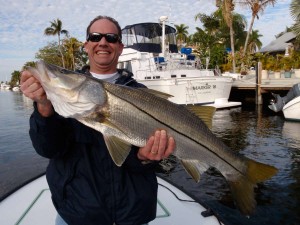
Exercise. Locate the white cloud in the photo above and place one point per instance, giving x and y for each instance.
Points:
(23, 21)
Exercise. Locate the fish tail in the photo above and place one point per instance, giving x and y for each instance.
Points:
(243, 187)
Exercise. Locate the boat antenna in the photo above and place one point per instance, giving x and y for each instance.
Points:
(163, 20)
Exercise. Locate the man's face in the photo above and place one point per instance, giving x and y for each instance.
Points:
(103, 55)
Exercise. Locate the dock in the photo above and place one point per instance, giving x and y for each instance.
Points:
(251, 86)
(266, 85)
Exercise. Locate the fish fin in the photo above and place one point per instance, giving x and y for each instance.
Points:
(193, 168)
(258, 172)
(157, 93)
(118, 149)
(243, 193)
(243, 187)
(205, 113)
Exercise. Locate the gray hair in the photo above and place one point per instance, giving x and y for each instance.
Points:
(107, 18)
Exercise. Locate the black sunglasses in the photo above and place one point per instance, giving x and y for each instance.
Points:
(96, 37)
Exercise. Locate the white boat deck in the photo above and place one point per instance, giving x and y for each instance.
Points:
(32, 205)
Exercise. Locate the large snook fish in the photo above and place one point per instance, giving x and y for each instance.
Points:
(127, 116)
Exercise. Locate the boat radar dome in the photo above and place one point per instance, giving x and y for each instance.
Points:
(163, 18)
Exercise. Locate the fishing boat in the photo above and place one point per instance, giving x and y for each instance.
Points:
(151, 54)
(32, 205)
(291, 110)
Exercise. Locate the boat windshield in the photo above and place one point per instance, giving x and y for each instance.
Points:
(147, 37)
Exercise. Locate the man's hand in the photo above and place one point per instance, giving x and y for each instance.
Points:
(32, 89)
(158, 147)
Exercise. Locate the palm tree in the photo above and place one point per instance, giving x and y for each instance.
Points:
(256, 6)
(72, 46)
(56, 29)
(182, 33)
(227, 8)
(216, 33)
(254, 42)
(295, 13)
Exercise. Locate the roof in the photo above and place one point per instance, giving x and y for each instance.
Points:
(149, 30)
(280, 44)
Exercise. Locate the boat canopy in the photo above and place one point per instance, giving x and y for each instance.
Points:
(147, 37)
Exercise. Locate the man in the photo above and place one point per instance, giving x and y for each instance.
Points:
(86, 186)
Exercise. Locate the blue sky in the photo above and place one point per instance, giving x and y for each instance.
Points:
(22, 22)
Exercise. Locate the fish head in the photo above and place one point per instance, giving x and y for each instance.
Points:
(72, 94)
(53, 76)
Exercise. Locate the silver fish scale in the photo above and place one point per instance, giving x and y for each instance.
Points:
(138, 114)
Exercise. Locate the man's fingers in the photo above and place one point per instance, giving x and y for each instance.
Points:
(170, 148)
(158, 146)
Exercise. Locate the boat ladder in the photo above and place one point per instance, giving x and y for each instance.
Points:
(191, 95)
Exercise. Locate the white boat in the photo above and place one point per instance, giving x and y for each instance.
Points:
(291, 110)
(32, 205)
(5, 86)
(158, 65)
(16, 88)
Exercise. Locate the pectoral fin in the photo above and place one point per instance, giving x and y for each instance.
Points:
(194, 168)
(118, 149)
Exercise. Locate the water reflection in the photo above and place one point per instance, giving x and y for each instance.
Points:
(18, 160)
(263, 137)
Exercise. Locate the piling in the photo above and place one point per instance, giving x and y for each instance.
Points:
(258, 93)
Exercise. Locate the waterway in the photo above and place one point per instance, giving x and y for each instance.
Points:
(252, 131)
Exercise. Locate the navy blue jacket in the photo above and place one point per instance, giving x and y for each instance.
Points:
(87, 187)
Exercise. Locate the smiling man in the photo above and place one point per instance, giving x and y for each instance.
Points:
(103, 45)
(86, 185)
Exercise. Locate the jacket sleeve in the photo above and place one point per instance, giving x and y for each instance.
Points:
(135, 165)
(50, 136)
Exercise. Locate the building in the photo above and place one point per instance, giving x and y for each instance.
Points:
(281, 45)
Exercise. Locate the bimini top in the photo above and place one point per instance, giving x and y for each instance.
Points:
(147, 37)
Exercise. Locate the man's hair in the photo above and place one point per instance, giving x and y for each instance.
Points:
(107, 18)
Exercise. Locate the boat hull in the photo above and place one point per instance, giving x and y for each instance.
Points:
(206, 90)
(291, 110)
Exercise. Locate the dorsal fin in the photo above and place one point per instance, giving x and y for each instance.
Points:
(205, 113)
(157, 93)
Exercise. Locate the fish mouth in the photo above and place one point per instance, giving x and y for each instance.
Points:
(61, 77)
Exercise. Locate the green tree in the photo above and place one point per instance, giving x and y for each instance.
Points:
(256, 6)
(254, 42)
(182, 33)
(295, 13)
(27, 64)
(227, 8)
(216, 34)
(72, 46)
(75, 56)
(50, 54)
(15, 78)
(56, 29)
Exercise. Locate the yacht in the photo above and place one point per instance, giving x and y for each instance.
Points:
(151, 54)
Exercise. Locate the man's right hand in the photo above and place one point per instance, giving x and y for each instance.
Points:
(33, 89)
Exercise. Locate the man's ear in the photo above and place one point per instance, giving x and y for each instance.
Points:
(85, 48)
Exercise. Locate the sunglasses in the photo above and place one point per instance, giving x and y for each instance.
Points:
(96, 37)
